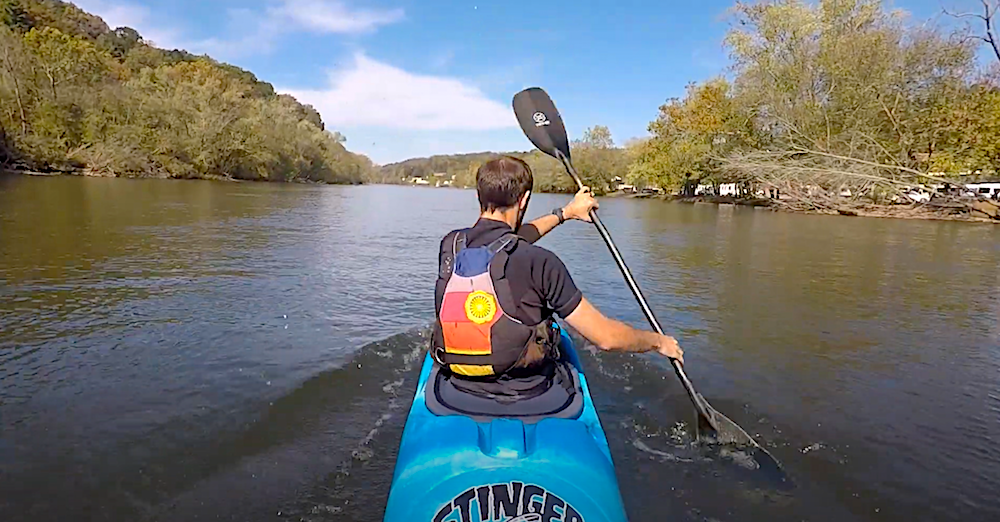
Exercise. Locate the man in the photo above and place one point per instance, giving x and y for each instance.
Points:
(497, 292)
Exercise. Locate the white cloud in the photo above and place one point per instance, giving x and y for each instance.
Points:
(137, 17)
(333, 16)
(259, 29)
(372, 93)
(257, 35)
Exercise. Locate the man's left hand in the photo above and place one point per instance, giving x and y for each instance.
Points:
(581, 205)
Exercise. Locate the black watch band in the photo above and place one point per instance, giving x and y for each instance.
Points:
(559, 214)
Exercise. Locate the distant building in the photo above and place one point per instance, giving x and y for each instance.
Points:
(618, 184)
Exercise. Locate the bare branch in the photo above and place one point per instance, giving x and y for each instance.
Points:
(989, 13)
(962, 15)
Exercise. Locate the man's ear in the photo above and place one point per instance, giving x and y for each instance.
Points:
(524, 199)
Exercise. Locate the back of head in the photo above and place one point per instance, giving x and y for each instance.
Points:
(502, 182)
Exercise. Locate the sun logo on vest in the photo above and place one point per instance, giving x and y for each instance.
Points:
(480, 307)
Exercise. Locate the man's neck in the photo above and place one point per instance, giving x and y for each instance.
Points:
(509, 217)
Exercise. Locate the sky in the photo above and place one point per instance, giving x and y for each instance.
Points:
(403, 79)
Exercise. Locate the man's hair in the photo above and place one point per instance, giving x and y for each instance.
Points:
(502, 182)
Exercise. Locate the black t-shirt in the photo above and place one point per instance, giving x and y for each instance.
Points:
(539, 281)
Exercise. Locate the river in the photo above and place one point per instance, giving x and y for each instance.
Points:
(193, 350)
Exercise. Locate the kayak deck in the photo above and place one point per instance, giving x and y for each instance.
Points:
(454, 468)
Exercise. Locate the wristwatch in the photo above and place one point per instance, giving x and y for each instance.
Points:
(558, 212)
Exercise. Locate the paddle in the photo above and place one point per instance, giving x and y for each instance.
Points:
(543, 125)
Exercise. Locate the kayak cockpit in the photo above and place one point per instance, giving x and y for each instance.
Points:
(556, 396)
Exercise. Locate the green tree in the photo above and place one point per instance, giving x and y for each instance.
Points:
(598, 137)
(64, 59)
(842, 94)
(13, 15)
(689, 136)
(65, 17)
(597, 160)
(16, 91)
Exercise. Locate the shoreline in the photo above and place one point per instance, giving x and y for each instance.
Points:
(83, 174)
(910, 212)
(913, 211)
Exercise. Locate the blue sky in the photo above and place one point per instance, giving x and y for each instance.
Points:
(402, 78)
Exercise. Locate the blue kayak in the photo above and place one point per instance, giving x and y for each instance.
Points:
(515, 465)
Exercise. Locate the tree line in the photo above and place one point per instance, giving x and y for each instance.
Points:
(834, 99)
(595, 156)
(823, 100)
(77, 96)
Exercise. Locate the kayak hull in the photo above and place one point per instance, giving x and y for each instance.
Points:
(451, 468)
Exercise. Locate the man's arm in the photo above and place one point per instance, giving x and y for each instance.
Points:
(611, 335)
(579, 208)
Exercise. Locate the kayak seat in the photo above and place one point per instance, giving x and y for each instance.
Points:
(555, 394)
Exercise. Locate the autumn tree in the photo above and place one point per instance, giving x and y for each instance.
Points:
(689, 136)
(597, 160)
(843, 94)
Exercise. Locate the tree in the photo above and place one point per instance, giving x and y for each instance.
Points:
(598, 137)
(689, 136)
(842, 94)
(13, 63)
(14, 16)
(65, 17)
(65, 59)
(120, 41)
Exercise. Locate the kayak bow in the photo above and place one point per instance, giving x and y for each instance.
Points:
(456, 467)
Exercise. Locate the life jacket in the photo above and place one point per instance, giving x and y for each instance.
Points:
(478, 335)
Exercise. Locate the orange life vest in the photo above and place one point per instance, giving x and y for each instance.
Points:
(479, 338)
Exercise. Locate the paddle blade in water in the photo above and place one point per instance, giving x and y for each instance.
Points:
(541, 122)
(724, 431)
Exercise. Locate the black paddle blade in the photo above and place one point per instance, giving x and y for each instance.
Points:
(541, 122)
(723, 431)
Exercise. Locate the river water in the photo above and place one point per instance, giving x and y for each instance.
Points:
(175, 350)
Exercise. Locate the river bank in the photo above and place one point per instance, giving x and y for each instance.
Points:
(86, 173)
(977, 211)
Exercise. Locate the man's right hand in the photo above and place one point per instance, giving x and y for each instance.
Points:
(609, 334)
(581, 205)
(668, 346)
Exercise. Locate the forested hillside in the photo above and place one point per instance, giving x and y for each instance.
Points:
(77, 96)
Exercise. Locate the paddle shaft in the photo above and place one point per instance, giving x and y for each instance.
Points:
(635, 290)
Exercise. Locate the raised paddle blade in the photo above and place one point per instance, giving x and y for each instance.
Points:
(541, 122)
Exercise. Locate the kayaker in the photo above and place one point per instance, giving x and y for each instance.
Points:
(497, 293)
